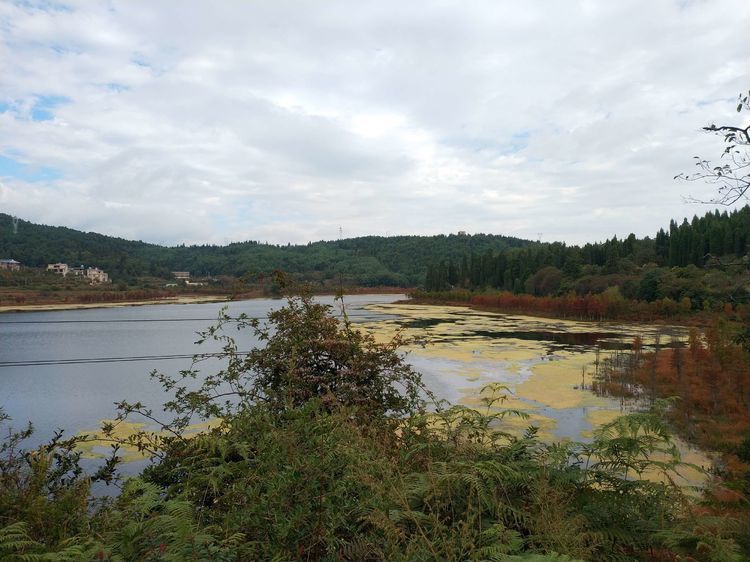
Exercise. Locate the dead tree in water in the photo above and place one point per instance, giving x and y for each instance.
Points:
(615, 374)
(654, 364)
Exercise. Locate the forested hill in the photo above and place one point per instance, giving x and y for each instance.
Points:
(705, 259)
(437, 262)
(370, 260)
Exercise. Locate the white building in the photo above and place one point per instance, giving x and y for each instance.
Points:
(96, 275)
(93, 274)
(59, 268)
(11, 264)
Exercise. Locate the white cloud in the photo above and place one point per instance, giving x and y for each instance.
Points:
(283, 121)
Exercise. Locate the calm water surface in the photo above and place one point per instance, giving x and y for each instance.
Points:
(76, 397)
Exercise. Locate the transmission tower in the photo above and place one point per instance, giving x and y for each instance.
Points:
(14, 221)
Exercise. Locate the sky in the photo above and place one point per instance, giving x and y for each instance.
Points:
(290, 121)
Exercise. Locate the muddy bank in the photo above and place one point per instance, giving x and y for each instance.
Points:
(178, 299)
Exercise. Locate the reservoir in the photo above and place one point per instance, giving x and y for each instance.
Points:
(71, 393)
(67, 369)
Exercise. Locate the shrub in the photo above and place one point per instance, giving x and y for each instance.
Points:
(307, 355)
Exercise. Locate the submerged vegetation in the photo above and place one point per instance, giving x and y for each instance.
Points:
(708, 383)
(329, 448)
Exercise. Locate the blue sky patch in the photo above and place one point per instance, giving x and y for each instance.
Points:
(115, 87)
(43, 5)
(10, 168)
(44, 106)
(707, 102)
(519, 141)
(509, 145)
(140, 61)
(65, 50)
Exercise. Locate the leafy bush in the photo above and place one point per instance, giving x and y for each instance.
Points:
(307, 355)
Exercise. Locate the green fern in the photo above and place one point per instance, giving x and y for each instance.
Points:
(14, 539)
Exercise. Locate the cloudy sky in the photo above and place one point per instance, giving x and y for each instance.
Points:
(280, 121)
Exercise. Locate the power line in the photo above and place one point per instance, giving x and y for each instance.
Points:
(90, 360)
(127, 359)
(126, 320)
(116, 320)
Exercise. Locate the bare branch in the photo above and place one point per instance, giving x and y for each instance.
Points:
(730, 176)
(733, 132)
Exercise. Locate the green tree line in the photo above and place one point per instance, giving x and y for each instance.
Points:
(640, 268)
(368, 261)
(700, 260)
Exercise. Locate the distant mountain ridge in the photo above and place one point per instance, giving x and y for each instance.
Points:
(368, 260)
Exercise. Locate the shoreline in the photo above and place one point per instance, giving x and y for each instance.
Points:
(50, 307)
(176, 299)
(694, 320)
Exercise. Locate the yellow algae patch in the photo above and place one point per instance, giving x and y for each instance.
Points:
(195, 428)
(692, 473)
(417, 311)
(492, 399)
(510, 424)
(516, 425)
(383, 333)
(477, 400)
(691, 455)
(474, 344)
(469, 352)
(686, 475)
(459, 319)
(600, 417)
(468, 346)
(459, 347)
(557, 384)
(98, 444)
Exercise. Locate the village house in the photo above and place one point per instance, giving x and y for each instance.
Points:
(96, 275)
(181, 275)
(93, 274)
(11, 264)
(59, 268)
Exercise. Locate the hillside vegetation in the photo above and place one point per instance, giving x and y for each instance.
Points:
(367, 261)
(703, 260)
(696, 265)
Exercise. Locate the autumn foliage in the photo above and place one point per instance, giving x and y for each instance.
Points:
(609, 305)
(711, 379)
(708, 378)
